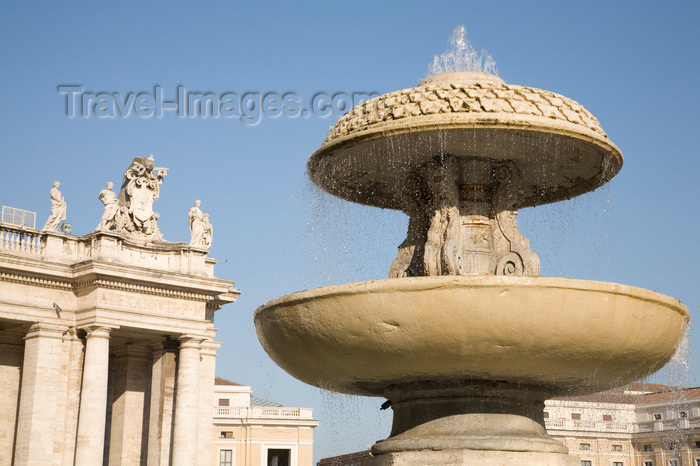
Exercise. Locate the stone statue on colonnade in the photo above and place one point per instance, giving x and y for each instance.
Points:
(132, 212)
(58, 209)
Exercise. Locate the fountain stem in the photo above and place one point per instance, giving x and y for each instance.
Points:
(463, 222)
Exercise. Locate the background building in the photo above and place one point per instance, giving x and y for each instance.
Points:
(251, 431)
(635, 425)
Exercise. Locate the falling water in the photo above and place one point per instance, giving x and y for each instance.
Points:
(347, 241)
(679, 367)
(339, 254)
(676, 374)
(461, 56)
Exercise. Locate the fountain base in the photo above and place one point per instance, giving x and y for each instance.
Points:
(468, 422)
(471, 457)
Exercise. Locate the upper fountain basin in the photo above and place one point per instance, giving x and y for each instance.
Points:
(557, 145)
(565, 335)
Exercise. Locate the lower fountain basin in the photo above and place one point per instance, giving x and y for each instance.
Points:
(561, 335)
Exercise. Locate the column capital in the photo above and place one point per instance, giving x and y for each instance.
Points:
(190, 341)
(97, 331)
(46, 330)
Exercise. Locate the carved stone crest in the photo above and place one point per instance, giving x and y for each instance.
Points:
(140, 188)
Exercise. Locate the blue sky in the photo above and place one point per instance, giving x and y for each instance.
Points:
(634, 65)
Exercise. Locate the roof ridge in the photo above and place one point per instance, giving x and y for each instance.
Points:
(222, 381)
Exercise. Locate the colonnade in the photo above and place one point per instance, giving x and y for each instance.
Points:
(142, 420)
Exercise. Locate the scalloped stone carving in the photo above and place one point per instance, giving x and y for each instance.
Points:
(479, 97)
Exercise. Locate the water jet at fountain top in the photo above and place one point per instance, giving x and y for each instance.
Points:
(461, 56)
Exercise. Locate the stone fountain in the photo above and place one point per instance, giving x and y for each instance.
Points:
(466, 340)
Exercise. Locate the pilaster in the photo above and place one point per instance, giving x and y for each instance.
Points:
(37, 421)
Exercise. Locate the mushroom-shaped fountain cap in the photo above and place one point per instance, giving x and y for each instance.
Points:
(558, 146)
(462, 78)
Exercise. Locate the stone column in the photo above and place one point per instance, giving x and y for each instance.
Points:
(162, 403)
(93, 400)
(75, 354)
(206, 400)
(36, 420)
(129, 425)
(187, 402)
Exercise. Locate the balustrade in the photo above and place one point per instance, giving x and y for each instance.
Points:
(589, 426)
(20, 239)
(249, 412)
(51, 245)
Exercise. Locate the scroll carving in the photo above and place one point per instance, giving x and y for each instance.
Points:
(459, 227)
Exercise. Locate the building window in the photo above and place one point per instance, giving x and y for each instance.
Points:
(546, 414)
(683, 414)
(672, 446)
(648, 463)
(697, 462)
(225, 457)
(697, 445)
(618, 463)
(657, 417)
(586, 463)
(607, 417)
(576, 416)
(617, 448)
(672, 462)
(226, 434)
(224, 402)
(278, 457)
(584, 446)
(648, 448)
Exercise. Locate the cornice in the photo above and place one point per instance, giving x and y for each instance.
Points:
(73, 285)
(27, 279)
(141, 289)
